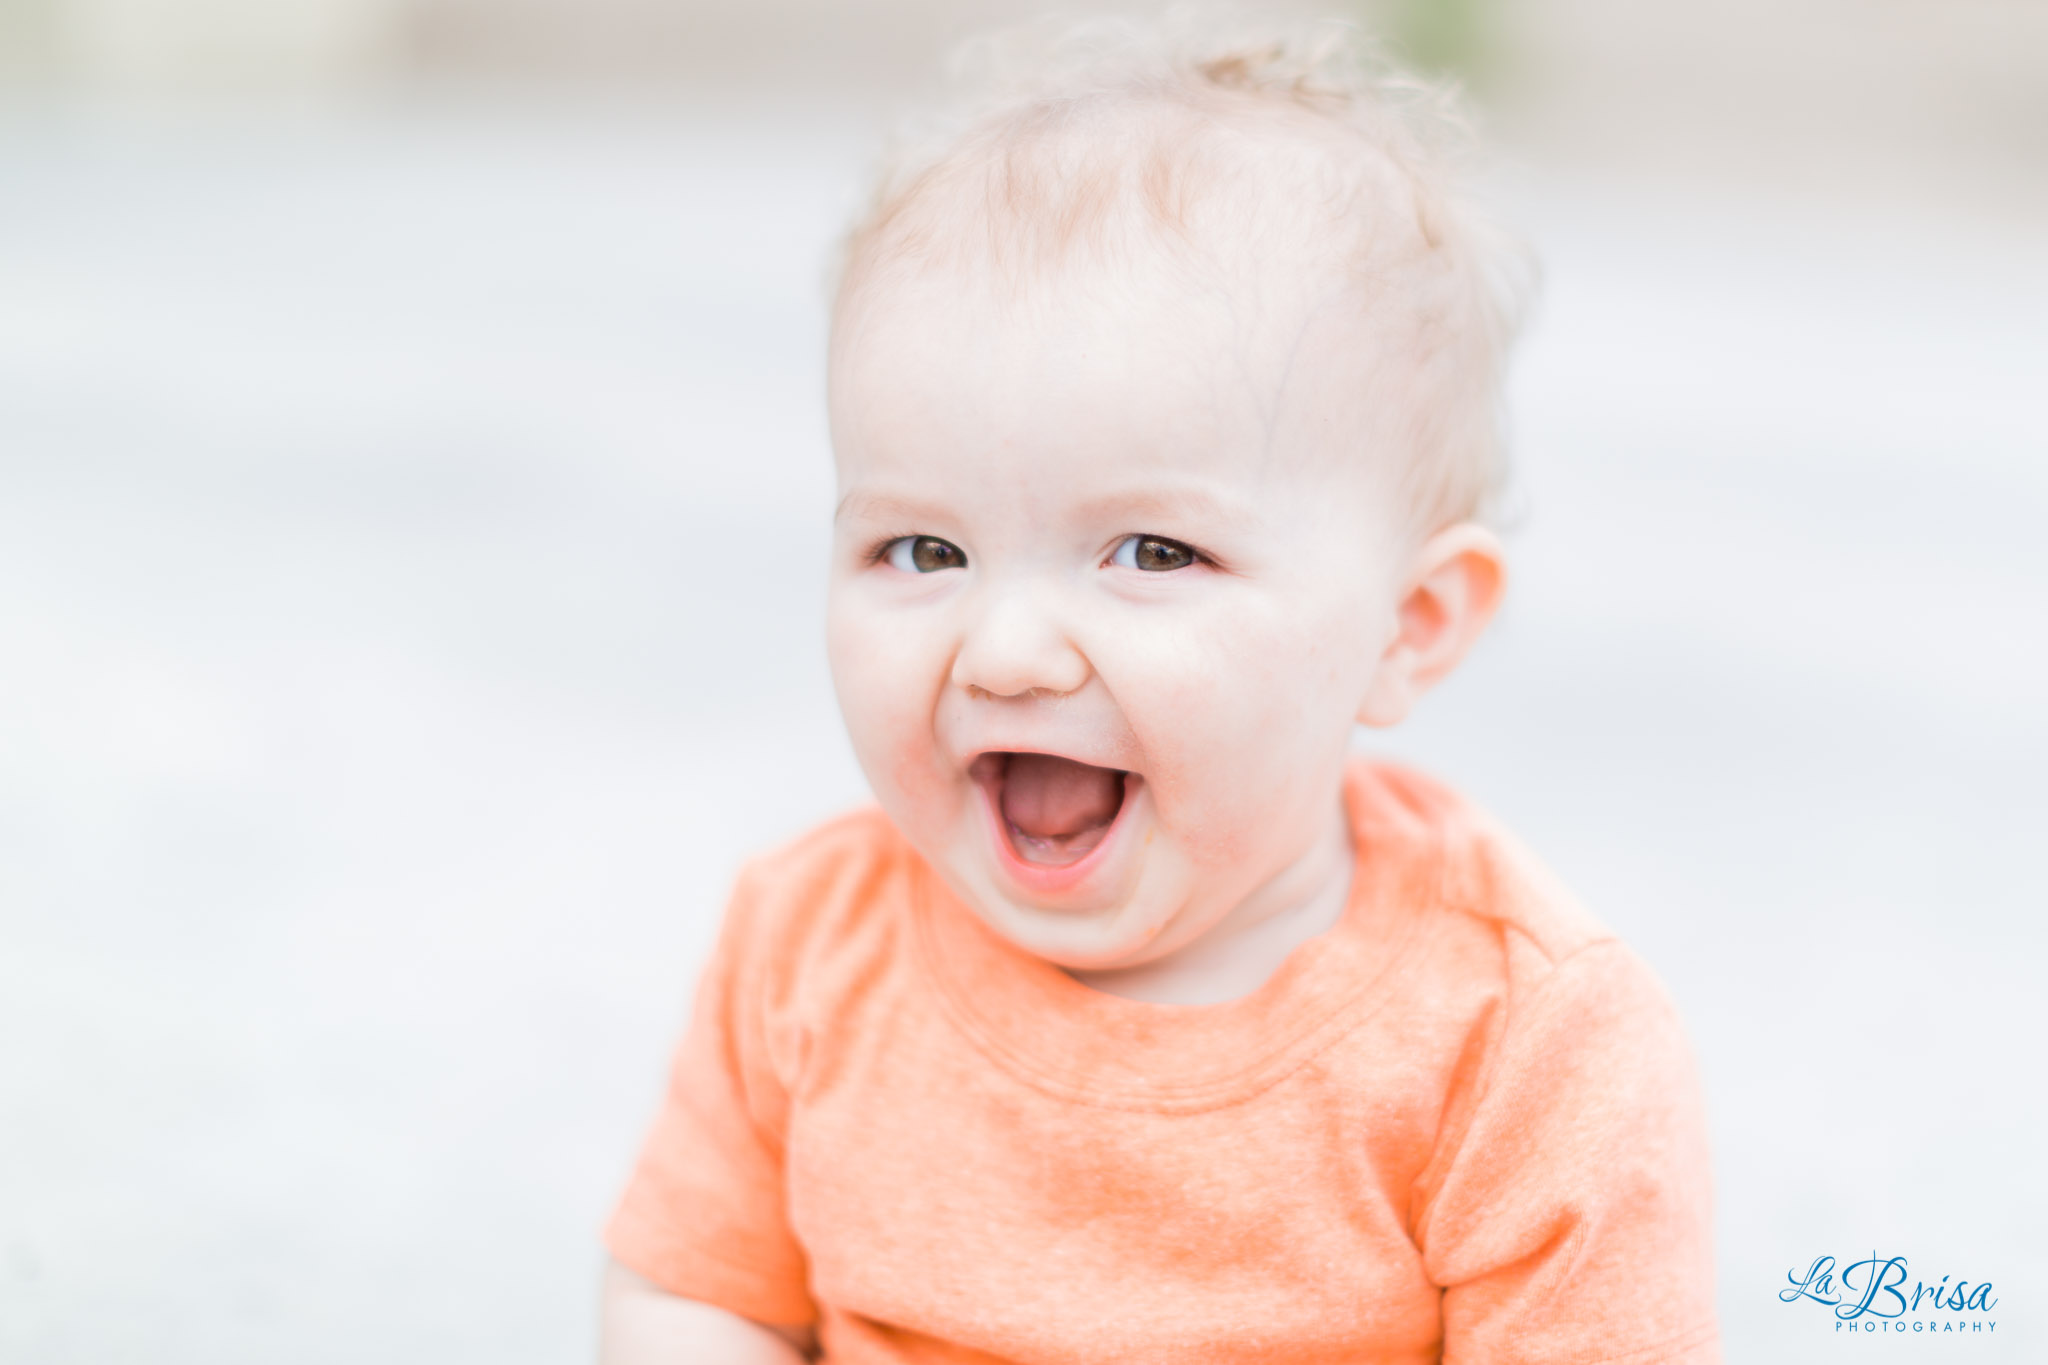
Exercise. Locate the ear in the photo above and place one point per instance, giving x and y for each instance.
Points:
(1453, 586)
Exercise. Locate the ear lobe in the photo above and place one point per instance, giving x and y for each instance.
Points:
(1454, 587)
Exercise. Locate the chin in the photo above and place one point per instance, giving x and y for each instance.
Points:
(1098, 939)
(1094, 892)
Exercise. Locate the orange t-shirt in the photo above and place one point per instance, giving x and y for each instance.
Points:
(1462, 1125)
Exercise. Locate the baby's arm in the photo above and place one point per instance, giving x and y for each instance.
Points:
(644, 1324)
(1575, 1220)
(705, 1267)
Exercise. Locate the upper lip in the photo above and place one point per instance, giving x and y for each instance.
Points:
(1075, 754)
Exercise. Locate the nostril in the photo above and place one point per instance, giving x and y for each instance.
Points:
(1046, 673)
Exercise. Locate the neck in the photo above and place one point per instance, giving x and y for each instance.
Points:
(1240, 952)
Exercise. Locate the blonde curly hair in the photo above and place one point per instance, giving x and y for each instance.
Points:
(1104, 138)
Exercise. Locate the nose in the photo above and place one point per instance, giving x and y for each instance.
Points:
(1014, 645)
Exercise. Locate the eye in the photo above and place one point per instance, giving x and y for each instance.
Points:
(1156, 554)
(924, 554)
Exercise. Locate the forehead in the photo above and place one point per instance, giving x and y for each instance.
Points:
(1084, 335)
(1242, 368)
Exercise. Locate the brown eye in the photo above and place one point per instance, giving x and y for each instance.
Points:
(1156, 554)
(925, 554)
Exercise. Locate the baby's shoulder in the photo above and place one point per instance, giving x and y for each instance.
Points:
(1488, 884)
(832, 895)
(1510, 957)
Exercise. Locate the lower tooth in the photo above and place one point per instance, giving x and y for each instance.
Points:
(1058, 849)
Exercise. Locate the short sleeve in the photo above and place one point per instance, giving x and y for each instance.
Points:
(704, 1214)
(1573, 1221)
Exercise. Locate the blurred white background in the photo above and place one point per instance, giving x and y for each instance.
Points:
(412, 498)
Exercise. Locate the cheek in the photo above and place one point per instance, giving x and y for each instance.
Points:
(883, 672)
(1241, 675)
(866, 678)
(1244, 716)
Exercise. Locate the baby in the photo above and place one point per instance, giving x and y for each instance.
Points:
(1141, 1022)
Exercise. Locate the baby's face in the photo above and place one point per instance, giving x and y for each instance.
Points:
(1111, 581)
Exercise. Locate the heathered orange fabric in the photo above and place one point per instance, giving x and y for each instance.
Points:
(1463, 1126)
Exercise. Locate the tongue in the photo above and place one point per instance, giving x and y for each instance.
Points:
(1060, 807)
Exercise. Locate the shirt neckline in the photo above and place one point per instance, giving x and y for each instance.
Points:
(1082, 1044)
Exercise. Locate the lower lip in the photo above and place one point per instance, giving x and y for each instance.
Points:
(1037, 878)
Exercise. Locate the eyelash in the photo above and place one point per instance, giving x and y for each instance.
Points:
(878, 551)
(1195, 556)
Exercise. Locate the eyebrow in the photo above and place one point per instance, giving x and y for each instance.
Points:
(1192, 503)
(862, 506)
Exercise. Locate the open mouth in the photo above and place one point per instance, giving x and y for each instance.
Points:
(1054, 811)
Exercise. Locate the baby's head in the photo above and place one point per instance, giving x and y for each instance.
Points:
(1164, 397)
